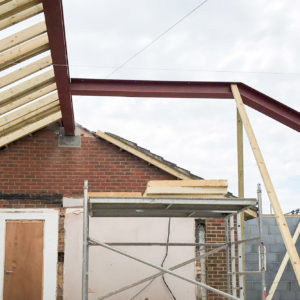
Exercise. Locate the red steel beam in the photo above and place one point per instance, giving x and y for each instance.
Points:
(145, 88)
(56, 32)
(270, 107)
(187, 89)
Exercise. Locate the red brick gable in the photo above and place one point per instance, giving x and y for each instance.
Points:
(37, 165)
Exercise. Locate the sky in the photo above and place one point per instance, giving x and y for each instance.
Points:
(255, 42)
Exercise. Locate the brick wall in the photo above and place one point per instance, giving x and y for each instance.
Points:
(216, 263)
(36, 165)
(36, 173)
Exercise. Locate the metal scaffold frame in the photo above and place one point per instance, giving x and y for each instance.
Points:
(229, 208)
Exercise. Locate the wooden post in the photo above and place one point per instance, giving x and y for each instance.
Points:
(241, 189)
(283, 227)
(240, 155)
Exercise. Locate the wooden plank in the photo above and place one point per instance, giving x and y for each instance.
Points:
(30, 119)
(26, 115)
(283, 227)
(114, 194)
(29, 129)
(188, 183)
(23, 268)
(213, 196)
(185, 190)
(282, 267)
(24, 51)
(23, 36)
(33, 95)
(28, 109)
(16, 5)
(18, 16)
(250, 214)
(27, 86)
(142, 155)
(26, 112)
(25, 71)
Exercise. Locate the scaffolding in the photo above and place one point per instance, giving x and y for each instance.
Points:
(228, 208)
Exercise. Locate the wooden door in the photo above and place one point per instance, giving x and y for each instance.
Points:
(23, 268)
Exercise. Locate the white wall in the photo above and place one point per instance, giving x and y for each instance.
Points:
(109, 271)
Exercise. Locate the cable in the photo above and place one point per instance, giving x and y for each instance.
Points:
(188, 70)
(156, 39)
(162, 264)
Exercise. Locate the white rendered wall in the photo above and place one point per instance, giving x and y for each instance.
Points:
(110, 271)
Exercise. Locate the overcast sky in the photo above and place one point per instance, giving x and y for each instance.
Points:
(256, 42)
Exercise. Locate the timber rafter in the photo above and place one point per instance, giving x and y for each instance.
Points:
(29, 96)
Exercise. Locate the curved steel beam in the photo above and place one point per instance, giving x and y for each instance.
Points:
(187, 89)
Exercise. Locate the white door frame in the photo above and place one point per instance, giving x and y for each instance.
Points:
(51, 219)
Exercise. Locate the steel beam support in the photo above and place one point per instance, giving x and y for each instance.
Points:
(187, 89)
(54, 18)
(227, 233)
(270, 107)
(147, 88)
(240, 257)
(233, 256)
(85, 244)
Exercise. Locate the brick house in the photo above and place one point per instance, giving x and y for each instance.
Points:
(38, 171)
(43, 164)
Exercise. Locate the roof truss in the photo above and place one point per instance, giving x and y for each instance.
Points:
(29, 97)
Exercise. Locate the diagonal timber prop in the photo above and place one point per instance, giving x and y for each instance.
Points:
(283, 227)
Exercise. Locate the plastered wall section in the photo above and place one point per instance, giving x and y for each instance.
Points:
(110, 271)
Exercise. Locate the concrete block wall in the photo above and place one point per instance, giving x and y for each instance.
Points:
(288, 288)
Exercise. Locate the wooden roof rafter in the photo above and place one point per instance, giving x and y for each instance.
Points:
(27, 112)
(24, 51)
(30, 128)
(15, 11)
(29, 96)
